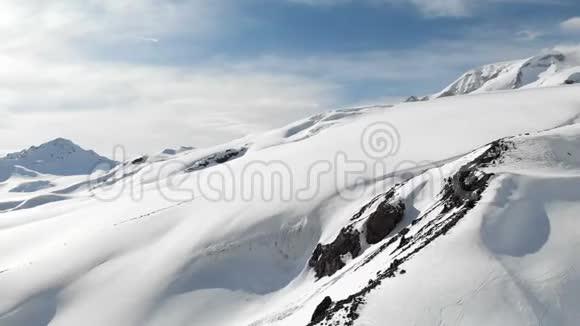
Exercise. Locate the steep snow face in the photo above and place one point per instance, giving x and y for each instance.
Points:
(57, 157)
(510, 260)
(502, 245)
(547, 69)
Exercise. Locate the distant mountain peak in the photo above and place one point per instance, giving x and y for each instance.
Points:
(55, 146)
(550, 68)
(59, 156)
(60, 141)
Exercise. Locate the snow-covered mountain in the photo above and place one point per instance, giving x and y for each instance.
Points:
(36, 176)
(551, 68)
(365, 216)
(56, 157)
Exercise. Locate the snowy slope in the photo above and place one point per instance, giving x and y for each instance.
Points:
(551, 68)
(487, 236)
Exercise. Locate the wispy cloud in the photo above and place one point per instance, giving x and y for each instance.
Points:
(55, 28)
(528, 35)
(147, 108)
(46, 78)
(571, 25)
(437, 8)
(148, 39)
(427, 7)
(444, 7)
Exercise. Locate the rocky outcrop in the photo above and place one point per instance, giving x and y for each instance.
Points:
(139, 160)
(383, 221)
(414, 98)
(327, 259)
(461, 192)
(573, 78)
(217, 158)
(464, 188)
(320, 311)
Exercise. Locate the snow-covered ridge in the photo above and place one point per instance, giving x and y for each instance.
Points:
(551, 68)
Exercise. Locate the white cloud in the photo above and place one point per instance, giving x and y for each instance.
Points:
(146, 108)
(444, 7)
(45, 26)
(49, 89)
(436, 8)
(528, 35)
(571, 25)
(148, 39)
(426, 7)
(571, 51)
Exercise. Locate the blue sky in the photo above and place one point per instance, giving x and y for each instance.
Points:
(227, 68)
(252, 30)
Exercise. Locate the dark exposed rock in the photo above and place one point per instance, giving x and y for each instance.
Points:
(569, 82)
(415, 221)
(139, 160)
(414, 98)
(169, 151)
(556, 56)
(216, 158)
(363, 209)
(403, 242)
(384, 197)
(173, 151)
(327, 259)
(384, 220)
(465, 186)
(321, 309)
